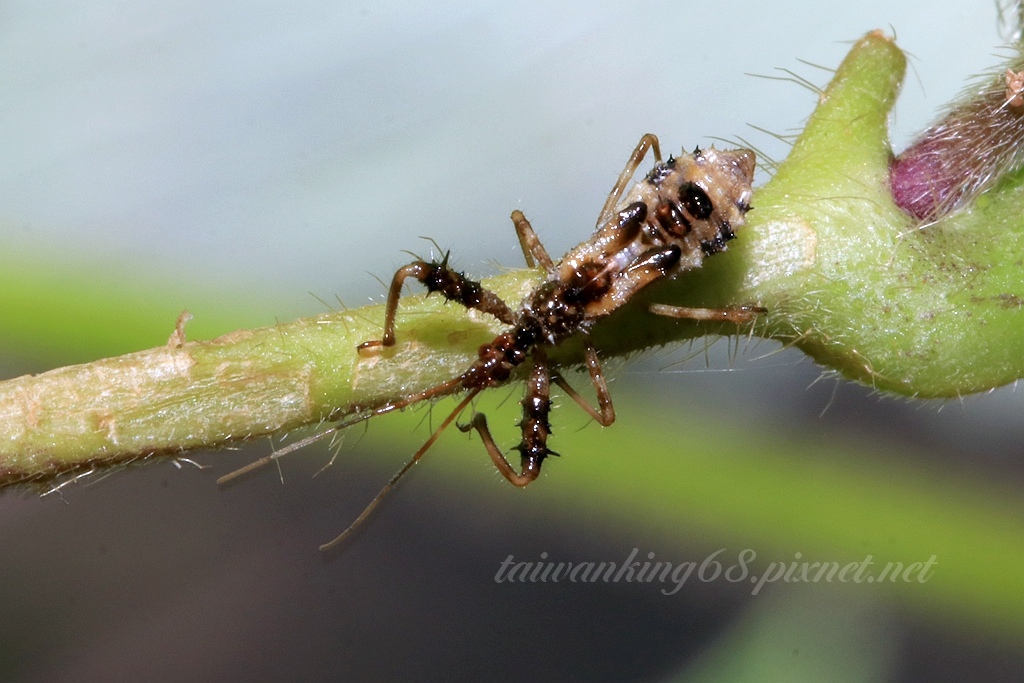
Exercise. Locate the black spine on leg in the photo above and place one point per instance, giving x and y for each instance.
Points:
(454, 286)
(536, 428)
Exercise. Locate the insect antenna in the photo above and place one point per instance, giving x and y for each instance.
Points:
(277, 455)
(401, 473)
(426, 394)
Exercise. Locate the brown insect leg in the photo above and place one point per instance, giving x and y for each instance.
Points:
(530, 243)
(368, 510)
(453, 285)
(647, 142)
(605, 413)
(479, 423)
(729, 314)
(536, 406)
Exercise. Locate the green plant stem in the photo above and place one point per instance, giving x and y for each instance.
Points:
(843, 272)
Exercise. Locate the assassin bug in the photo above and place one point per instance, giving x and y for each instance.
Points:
(683, 211)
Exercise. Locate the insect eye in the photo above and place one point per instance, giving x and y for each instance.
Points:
(696, 201)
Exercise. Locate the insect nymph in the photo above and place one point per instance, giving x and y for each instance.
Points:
(683, 211)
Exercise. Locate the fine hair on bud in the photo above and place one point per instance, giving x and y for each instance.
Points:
(975, 143)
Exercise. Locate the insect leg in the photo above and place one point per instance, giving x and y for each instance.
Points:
(729, 314)
(604, 414)
(647, 142)
(401, 473)
(536, 406)
(453, 285)
(530, 243)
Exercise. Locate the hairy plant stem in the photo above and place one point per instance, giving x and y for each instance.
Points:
(844, 273)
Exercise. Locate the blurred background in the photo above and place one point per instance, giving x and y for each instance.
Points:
(263, 161)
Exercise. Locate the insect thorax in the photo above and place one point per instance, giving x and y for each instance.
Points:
(692, 204)
(683, 211)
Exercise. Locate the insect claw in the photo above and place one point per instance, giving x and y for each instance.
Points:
(467, 427)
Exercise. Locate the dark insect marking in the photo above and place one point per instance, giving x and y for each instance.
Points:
(696, 201)
(661, 171)
(634, 213)
(672, 219)
(725, 233)
(588, 283)
(527, 333)
(631, 221)
(493, 366)
(662, 259)
(557, 309)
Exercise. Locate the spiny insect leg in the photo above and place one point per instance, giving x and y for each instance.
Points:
(728, 314)
(402, 472)
(604, 414)
(453, 285)
(530, 243)
(536, 406)
(647, 142)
